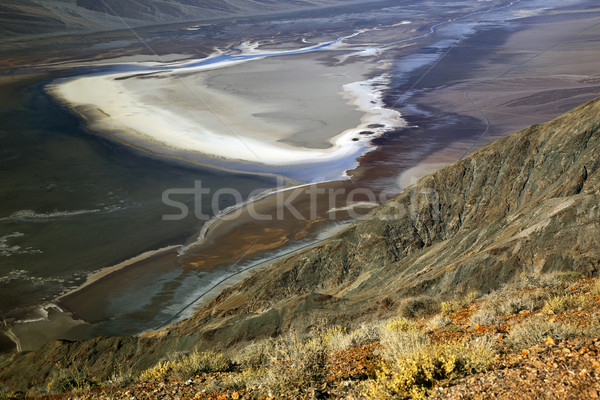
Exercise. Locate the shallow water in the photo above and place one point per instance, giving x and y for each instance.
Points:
(73, 202)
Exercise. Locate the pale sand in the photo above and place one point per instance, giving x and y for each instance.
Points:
(283, 110)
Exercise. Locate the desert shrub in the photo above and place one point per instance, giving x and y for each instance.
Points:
(400, 336)
(198, 362)
(422, 306)
(412, 374)
(513, 302)
(121, 377)
(560, 304)
(296, 363)
(6, 394)
(468, 299)
(534, 331)
(159, 372)
(364, 334)
(596, 288)
(399, 324)
(335, 337)
(448, 307)
(551, 281)
(187, 366)
(255, 355)
(484, 316)
(338, 338)
(568, 276)
(438, 322)
(70, 380)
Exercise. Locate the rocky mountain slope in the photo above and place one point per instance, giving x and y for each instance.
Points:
(529, 203)
(535, 338)
(26, 17)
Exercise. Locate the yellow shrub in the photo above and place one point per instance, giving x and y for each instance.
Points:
(412, 375)
(400, 324)
(560, 304)
(157, 373)
(448, 307)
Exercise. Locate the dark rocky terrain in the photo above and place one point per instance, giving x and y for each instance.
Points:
(528, 203)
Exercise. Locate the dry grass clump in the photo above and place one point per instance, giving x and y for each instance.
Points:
(438, 322)
(552, 281)
(560, 304)
(416, 369)
(187, 366)
(448, 307)
(70, 380)
(338, 338)
(422, 306)
(295, 364)
(485, 316)
(534, 331)
(595, 290)
(511, 302)
(256, 355)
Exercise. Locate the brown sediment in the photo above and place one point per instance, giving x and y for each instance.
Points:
(90, 302)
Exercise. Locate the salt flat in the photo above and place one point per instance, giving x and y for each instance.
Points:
(285, 110)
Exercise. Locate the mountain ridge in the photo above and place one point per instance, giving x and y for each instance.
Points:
(27, 17)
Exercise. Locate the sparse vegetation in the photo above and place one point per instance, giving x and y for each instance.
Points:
(438, 322)
(536, 330)
(408, 356)
(295, 363)
(187, 366)
(70, 380)
(416, 369)
(448, 307)
(421, 306)
(562, 303)
(485, 316)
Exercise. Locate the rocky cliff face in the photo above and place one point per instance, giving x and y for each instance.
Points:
(527, 203)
